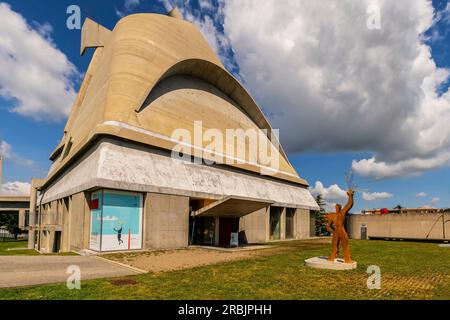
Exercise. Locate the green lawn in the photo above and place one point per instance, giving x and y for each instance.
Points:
(4, 246)
(22, 245)
(409, 271)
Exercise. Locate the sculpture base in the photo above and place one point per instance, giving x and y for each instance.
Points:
(323, 263)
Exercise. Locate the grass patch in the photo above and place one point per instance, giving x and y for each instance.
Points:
(20, 244)
(409, 271)
(19, 249)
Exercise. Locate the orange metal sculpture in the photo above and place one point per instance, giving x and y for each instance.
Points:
(336, 226)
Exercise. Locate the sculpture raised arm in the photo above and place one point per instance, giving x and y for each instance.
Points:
(349, 204)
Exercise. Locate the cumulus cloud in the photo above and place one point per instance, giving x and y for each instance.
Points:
(206, 4)
(421, 195)
(331, 84)
(34, 75)
(6, 152)
(331, 193)
(344, 87)
(5, 149)
(435, 201)
(128, 6)
(376, 196)
(378, 170)
(167, 5)
(15, 188)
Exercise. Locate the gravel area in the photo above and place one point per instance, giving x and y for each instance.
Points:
(162, 261)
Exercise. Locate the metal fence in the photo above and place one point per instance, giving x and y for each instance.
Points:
(7, 236)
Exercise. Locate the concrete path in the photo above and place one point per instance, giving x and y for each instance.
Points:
(18, 271)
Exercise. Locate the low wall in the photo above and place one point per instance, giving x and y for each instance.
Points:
(400, 226)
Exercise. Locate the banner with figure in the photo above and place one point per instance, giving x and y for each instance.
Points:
(121, 227)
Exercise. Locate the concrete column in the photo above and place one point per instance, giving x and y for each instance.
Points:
(79, 222)
(216, 231)
(35, 183)
(302, 229)
(22, 219)
(283, 224)
(87, 219)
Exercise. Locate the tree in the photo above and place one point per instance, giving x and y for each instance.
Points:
(11, 223)
(398, 207)
(320, 216)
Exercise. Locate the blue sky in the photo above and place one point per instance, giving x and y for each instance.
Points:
(32, 139)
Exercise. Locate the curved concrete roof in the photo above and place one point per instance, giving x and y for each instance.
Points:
(134, 61)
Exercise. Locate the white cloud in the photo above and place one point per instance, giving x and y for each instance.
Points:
(6, 152)
(331, 193)
(128, 6)
(332, 84)
(421, 195)
(205, 4)
(5, 149)
(34, 75)
(167, 5)
(435, 201)
(371, 168)
(131, 3)
(16, 188)
(376, 196)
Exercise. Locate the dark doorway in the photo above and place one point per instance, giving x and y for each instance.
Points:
(202, 231)
(57, 242)
(227, 226)
(290, 219)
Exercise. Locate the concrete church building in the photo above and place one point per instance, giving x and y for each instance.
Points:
(114, 184)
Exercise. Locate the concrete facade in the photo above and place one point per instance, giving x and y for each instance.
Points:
(167, 221)
(149, 77)
(255, 227)
(401, 226)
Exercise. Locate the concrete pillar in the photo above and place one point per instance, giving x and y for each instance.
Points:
(268, 224)
(302, 229)
(283, 224)
(22, 219)
(216, 231)
(79, 222)
(35, 184)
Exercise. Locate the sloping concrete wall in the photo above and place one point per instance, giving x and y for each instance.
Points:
(416, 226)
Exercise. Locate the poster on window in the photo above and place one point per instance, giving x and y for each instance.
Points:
(116, 221)
(122, 221)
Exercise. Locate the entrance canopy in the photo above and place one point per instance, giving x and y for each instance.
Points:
(235, 207)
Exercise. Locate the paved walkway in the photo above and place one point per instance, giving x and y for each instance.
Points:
(18, 271)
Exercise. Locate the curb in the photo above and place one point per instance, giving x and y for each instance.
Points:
(134, 269)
